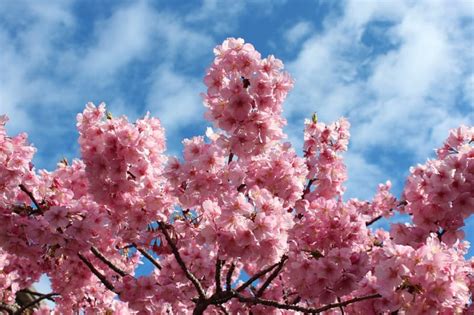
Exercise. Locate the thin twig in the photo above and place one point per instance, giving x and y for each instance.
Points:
(255, 300)
(33, 199)
(99, 255)
(368, 223)
(340, 307)
(148, 256)
(181, 263)
(272, 276)
(101, 277)
(28, 291)
(41, 298)
(256, 276)
(351, 301)
(373, 220)
(231, 156)
(307, 189)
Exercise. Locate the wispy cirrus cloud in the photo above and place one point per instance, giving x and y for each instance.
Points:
(174, 98)
(298, 32)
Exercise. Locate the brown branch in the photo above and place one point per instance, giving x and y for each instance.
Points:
(272, 276)
(132, 176)
(219, 264)
(148, 256)
(33, 199)
(99, 255)
(28, 291)
(341, 307)
(255, 300)
(34, 302)
(351, 301)
(256, 276)
(231, 156)
(228, 278)
(189, 275)
(222, 297)
(101, 277)
(368, 223)
(373, 220)
(308, 187)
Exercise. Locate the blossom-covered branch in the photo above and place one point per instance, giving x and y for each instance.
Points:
(182, 264)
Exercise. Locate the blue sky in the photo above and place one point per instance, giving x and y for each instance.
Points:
(401, 71)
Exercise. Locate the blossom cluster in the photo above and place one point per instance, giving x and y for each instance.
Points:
(430, 279)
(124, 165)
(245, 95)
(439, 194)
(323, 145)
(15, 164)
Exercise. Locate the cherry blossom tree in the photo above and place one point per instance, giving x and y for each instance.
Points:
(240, 224)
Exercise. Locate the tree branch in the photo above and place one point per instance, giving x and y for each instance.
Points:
(33, 199)
(351, 301)
(99, 255)
(308, 187)
(219, 264)
(34, 302)
(373, 220)
(272, 276)
(28, 291)
(148, 256)
(341, 307)
(101, 277)
(368, 223)
(228, 278)
(256, 276)
(255, 300)
(181, 263)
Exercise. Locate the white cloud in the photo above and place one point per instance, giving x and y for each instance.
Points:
(174, 98)
(222, 14)
(404, 97)
(363, 177)
(468, 91)
(120, 39)
(134, 32)
(26, 51)
(45, 73)
(297, 32)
